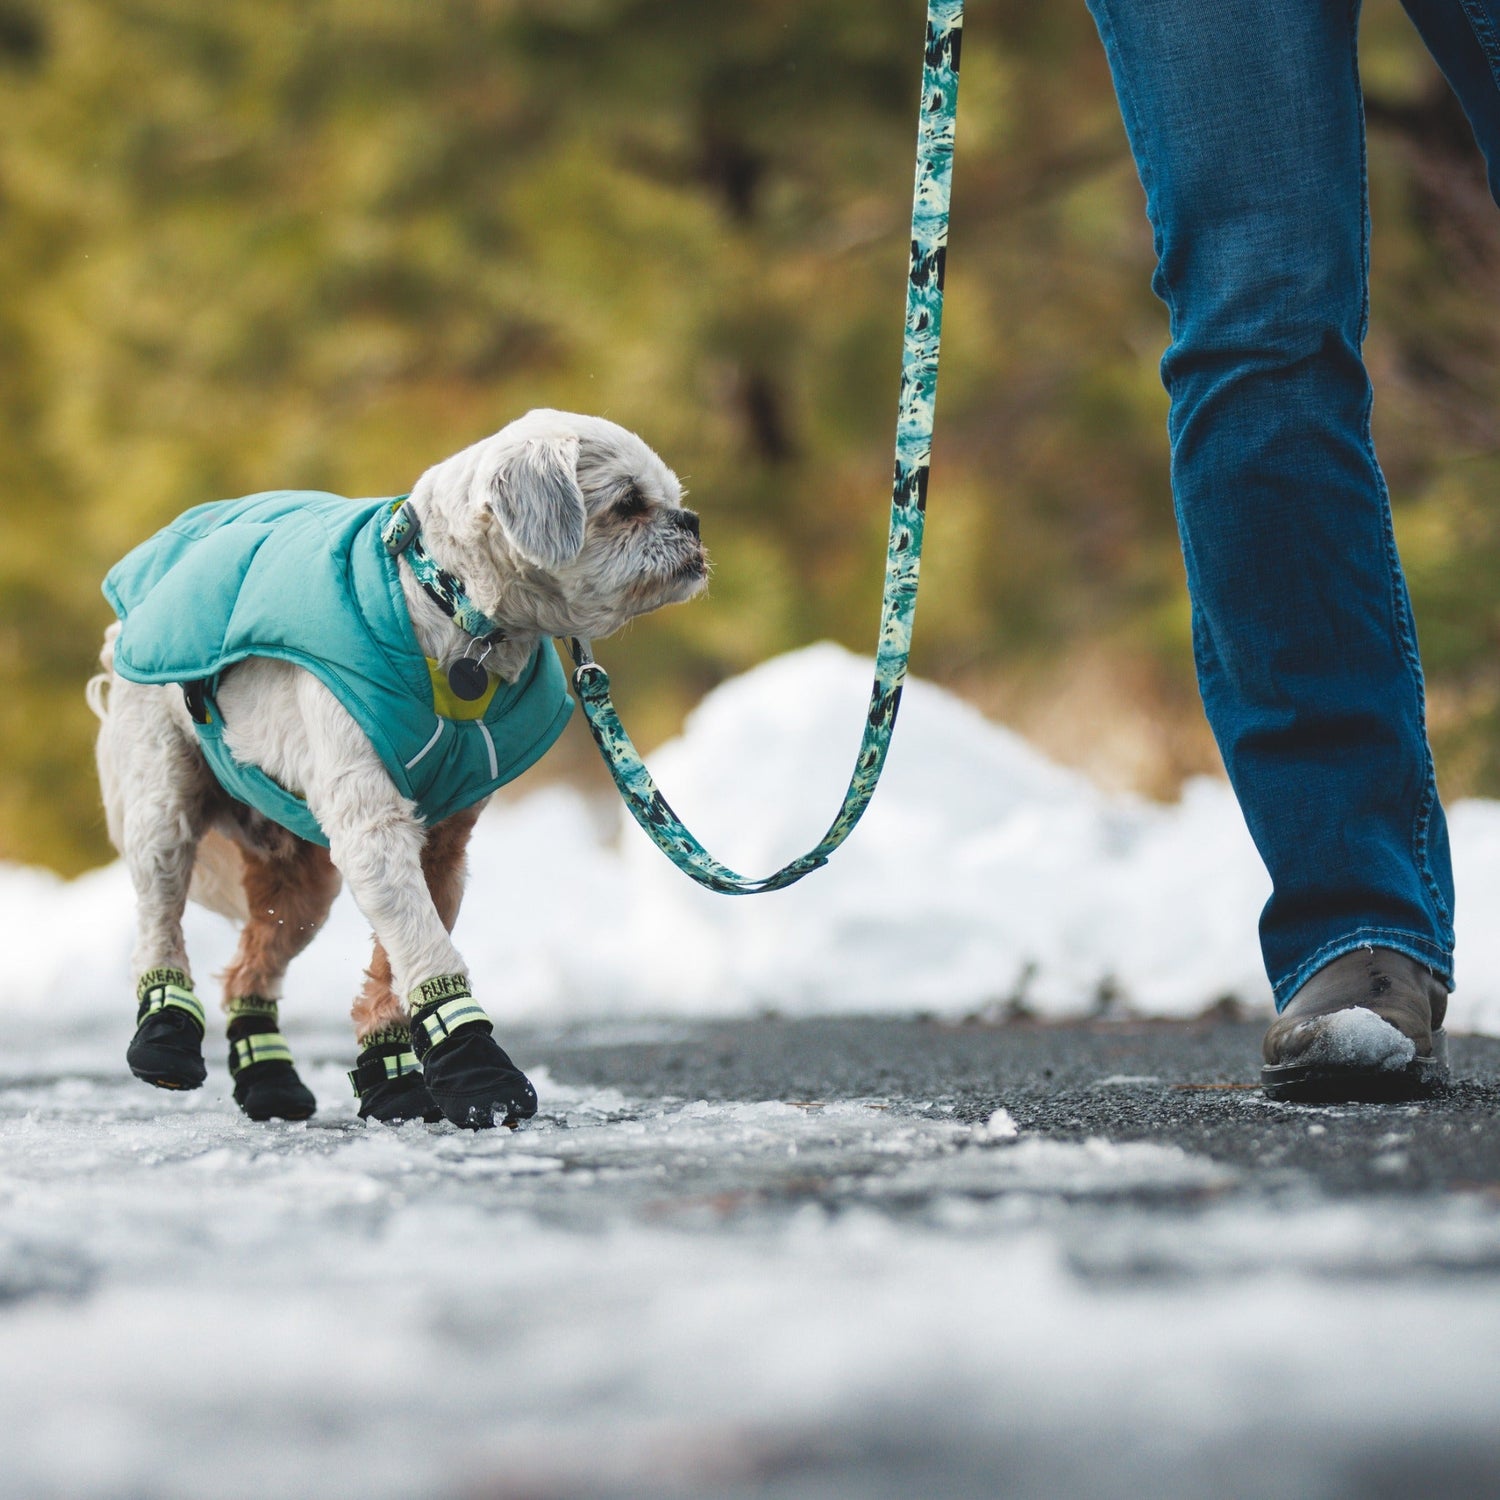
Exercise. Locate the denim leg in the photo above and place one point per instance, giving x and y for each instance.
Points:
(1464, 37)
(1246, 121)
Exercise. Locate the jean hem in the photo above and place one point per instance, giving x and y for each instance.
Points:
(1436, 956)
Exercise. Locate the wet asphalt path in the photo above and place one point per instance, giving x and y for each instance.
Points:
(1191, 1085)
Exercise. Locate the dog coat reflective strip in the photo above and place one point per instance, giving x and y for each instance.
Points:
(303, 576)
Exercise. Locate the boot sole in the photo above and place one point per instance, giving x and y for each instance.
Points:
(171, 1072)
(288, 1106)
(1322, 1083)
(484, 1114)
(394, 1104)
(273, 1091)
(293, 1113)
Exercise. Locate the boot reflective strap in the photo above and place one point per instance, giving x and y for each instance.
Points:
(264, 1046)
(440, 1018)
(383, 1064)
(163, 989)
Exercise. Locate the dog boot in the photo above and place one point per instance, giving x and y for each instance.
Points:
(1367, 1026)
(266, 1085)
(388, 1080)
(167, 1048)
(474, 1083)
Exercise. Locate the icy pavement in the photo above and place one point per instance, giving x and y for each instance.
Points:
(766, 1258)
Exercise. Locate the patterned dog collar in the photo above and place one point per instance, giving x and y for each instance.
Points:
(401, 535)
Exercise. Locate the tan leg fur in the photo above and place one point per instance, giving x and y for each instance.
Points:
(288, 894)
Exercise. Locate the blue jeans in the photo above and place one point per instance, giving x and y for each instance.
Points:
(1247, 125)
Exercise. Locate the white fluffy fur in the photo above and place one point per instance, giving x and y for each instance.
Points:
(559, 524)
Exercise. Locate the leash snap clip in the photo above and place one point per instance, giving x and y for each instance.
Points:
(583, 662)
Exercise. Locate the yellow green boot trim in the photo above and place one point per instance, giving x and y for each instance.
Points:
(266, 1085)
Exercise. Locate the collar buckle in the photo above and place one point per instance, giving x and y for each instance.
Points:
(401, 527)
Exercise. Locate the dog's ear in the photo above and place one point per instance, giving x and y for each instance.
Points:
(535, 493)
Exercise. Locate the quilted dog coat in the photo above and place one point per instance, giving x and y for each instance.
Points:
(304, 576)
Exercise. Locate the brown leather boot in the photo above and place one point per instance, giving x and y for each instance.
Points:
(1369, 1025)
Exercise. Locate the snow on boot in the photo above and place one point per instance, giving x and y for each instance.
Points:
(167, 1048)
(388, 1080)
(474, 1083)
(266, 1085)
(1367, 1026)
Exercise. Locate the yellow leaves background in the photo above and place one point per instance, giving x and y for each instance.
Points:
(247, 246)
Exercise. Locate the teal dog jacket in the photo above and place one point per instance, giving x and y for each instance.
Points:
(304, 576)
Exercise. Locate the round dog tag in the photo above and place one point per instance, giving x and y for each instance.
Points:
(468, 679)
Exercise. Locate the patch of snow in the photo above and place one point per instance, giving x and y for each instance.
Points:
(1356, 1038)
(1000, 1126)
(982, 878)
(1305, 1235)
(1095, 1168)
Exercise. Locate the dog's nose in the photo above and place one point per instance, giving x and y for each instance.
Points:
(688, 520)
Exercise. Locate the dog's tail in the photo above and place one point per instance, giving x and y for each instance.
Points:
(96, 690)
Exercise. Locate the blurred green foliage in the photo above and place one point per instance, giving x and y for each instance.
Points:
(324, 244)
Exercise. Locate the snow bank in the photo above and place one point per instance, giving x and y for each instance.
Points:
(982, 876)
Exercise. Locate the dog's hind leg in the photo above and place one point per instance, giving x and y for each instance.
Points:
(288, 893)
(157, 789)
(380, 1021)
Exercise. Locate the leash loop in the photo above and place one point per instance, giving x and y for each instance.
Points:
(914, 418)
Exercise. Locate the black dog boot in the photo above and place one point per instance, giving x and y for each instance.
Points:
(266, 1086)
(1367, 1026)
(388, 1081)
(167, 1048)
(474, 1083)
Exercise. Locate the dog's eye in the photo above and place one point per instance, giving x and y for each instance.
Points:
(633, 504)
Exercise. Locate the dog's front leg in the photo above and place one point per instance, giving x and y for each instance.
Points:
(387, 1079)
(443, 868)
(377, 841)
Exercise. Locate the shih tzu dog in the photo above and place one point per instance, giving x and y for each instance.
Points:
(303, 690)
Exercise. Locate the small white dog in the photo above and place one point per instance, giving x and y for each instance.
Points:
(304, 689)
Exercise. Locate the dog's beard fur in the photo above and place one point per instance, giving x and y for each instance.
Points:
(561, 525)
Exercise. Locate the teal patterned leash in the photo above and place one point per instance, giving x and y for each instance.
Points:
(919, 366)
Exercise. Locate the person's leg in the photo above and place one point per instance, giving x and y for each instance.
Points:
(1464, 37)
(1246, 122)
